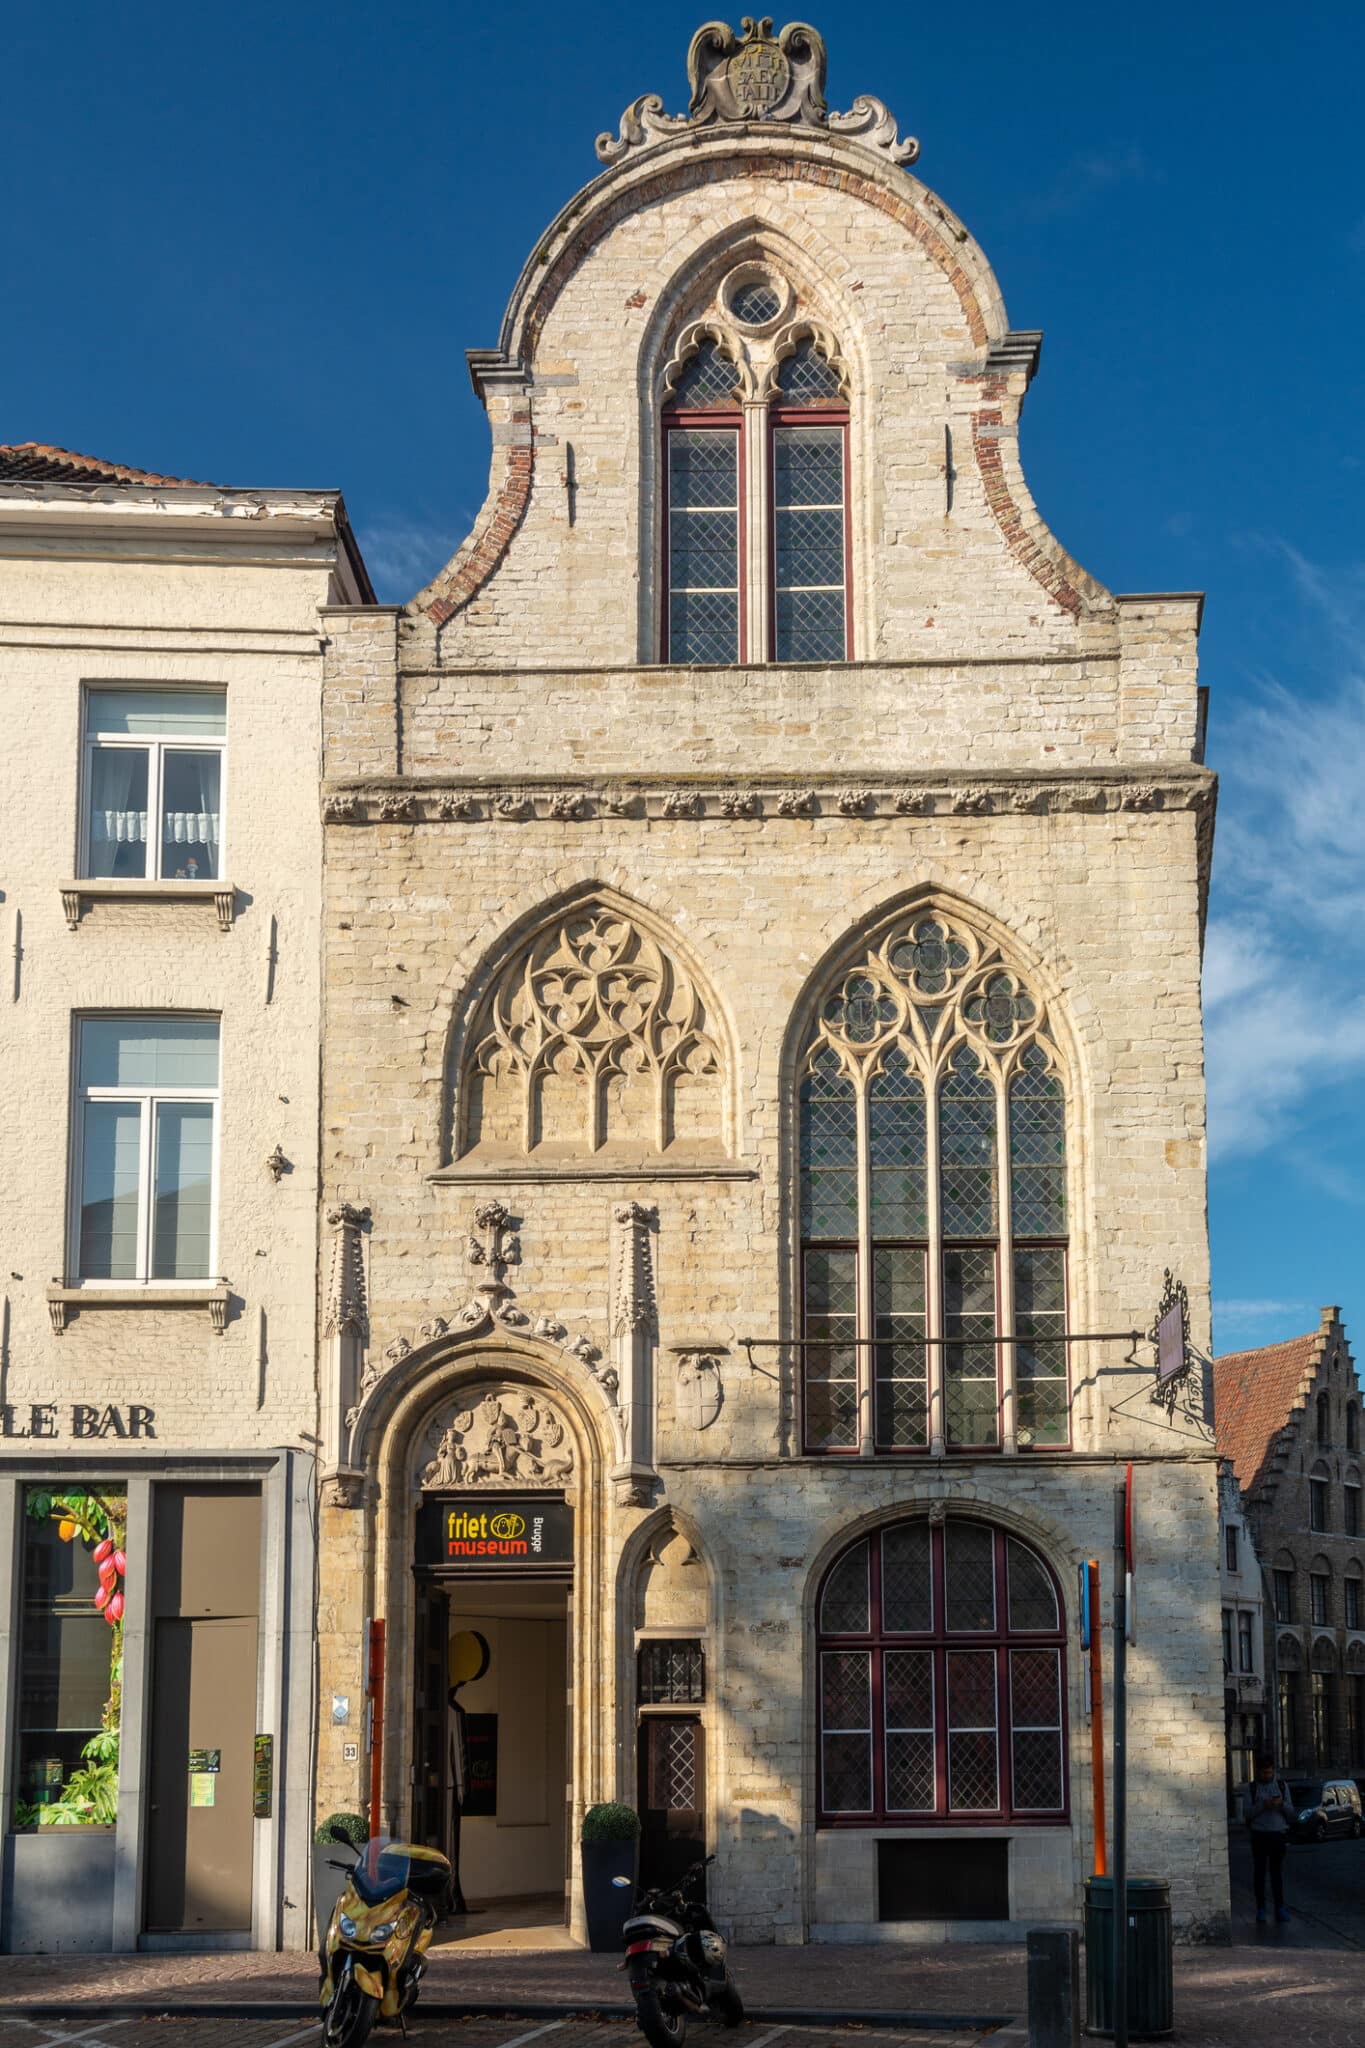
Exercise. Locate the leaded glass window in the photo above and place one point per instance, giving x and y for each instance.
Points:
(933, 1202)
(942, 1678)
(806, 377)
(703, 544)
(809, 609)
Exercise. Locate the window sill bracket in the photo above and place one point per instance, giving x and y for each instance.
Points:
(118, 889)
(213, 1296)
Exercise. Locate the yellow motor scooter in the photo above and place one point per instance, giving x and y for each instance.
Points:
(375, 1953)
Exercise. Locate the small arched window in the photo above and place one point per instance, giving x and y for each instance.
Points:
(1324, 1407)
(1352, 1426)
(1320, 1593)
(1319, 1496)
(1351, 1502)
(942, 1679)
(1351, 1583)
(933, 1203)
(756, 532)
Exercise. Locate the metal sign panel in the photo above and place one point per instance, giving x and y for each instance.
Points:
(1170, 1343)
(483, 1532)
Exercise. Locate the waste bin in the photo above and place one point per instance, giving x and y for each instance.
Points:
(1151, 1993)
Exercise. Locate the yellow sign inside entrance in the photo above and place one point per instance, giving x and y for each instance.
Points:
(468, 1656)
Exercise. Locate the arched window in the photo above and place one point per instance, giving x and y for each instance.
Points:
(1351, 1582)
(1324, 1406)
(1320, 1593)
(933, 1202)
(1319, 1491)
(756, 548)
(809, 462)
(1350, 1522)
(942, 1679)
(1352, 1427)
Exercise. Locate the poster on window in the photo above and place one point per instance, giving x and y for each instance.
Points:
(481, 1736)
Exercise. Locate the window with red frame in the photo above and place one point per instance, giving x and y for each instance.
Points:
(942, 1679)
(809, 426)
(703, 467)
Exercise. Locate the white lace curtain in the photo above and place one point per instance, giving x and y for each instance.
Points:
(118, 811)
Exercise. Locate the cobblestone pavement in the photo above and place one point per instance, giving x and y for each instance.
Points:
(178, 2031)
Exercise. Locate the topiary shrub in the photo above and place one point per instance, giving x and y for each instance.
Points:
(354, 1825)
(610, 1822)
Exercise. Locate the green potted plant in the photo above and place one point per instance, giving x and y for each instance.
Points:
(610, 1848)
(332, 1863)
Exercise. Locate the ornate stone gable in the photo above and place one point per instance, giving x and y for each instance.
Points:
(757, 76)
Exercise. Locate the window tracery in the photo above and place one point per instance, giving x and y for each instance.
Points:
(593, 1036)
(933, 1201)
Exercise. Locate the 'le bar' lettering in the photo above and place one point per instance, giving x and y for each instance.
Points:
(87, 1420)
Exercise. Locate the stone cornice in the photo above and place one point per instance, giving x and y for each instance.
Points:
(578, 800)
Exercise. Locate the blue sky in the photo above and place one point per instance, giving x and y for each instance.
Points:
(253, 243)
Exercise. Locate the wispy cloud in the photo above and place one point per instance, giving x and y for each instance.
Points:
(1084, 180)
(1242, 1323)
(403, 551)
(1284, 978)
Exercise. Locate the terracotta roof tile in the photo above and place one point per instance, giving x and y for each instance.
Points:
(36, 462)
(1253, 1399)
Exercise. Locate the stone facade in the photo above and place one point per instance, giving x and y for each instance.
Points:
(581, 909)
(113, 579)
(1289, 1417)
(1244, 1639)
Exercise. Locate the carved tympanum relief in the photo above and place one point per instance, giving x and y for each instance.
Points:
(592, 1038)
(498, 1436)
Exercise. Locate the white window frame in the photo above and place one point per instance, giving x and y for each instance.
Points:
(148, 1099)
(155, 748)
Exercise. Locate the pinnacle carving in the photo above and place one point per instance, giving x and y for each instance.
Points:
(757, 76)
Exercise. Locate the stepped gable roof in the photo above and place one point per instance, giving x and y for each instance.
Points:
(37, 462)
(1255, 1394)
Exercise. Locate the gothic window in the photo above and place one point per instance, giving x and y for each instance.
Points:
(1319, 1488)
(932, 1202)
(942, 1679)
(762, 485)
(1320, 1593)
(1352, 1427)
(1351, 1502)
(1324, 1416)
(592, 1039)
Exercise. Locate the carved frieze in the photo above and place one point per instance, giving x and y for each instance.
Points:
(498, 1436)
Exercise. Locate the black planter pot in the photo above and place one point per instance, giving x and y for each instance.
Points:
(328, 1884)
(605, 1904)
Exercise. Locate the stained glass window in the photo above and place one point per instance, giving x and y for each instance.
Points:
(703, 544)
(904, 1165)
(808, 544)
(951, 1700)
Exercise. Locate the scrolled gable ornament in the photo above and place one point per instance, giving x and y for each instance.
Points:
(751, 77)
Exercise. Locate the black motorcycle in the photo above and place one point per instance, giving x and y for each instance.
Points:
(676, 1959)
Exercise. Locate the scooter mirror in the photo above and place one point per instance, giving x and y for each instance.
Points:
(621, 1883)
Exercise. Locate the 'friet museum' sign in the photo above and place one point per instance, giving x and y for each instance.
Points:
(479, 1532)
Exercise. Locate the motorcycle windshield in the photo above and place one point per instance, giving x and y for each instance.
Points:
(381, 1871)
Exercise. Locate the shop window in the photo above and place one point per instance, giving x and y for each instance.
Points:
(153, 786)
(1287, 1708)
(146, 1144)
(70, 1658)
(942, 1679)
(1320, 1708)
(671, 1674)
(1284, 1594)
(919, 1240)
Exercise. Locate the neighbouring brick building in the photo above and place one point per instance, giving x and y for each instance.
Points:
(1288, 1420)
(764, 887)
(160, 670)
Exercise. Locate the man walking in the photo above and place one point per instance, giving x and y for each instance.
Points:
(1267, 1813)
